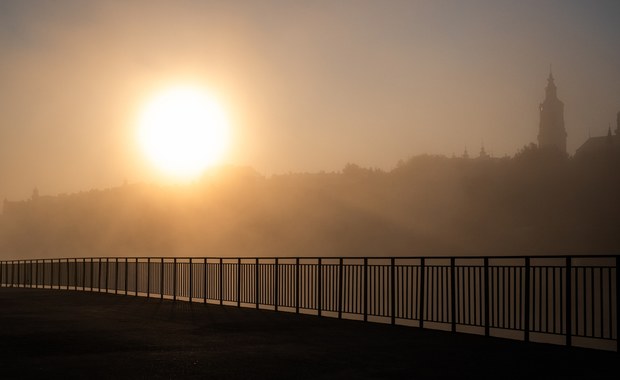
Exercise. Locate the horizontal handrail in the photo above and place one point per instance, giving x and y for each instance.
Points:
(481, 257)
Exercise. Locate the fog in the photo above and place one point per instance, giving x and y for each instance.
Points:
(538, 202)
(326, 101)
(309, 86)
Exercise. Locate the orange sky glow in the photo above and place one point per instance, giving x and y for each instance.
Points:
(308, 86)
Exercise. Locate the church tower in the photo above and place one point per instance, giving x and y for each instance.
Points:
(551, 132)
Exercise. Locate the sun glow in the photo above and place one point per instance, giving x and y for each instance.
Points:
(183, 131)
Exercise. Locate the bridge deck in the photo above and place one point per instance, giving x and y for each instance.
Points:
(53, 333)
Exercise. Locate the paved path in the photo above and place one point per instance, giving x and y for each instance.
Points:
(68, 334)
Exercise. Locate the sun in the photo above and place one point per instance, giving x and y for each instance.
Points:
(183, 130)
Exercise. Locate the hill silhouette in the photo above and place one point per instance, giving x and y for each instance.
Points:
(539, 201)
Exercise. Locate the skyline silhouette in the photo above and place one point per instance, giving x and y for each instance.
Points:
(307, 87)
(538, 202)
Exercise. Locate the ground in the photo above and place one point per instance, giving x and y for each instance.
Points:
(70, 334)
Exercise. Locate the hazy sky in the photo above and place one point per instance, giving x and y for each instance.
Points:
(309, 85)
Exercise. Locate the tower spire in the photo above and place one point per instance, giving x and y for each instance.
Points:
(551, 71)
(551, 132)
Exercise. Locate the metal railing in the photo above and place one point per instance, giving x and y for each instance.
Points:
(572, 297)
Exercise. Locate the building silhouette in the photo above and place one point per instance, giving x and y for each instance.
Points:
(551, 131)
(601, 146)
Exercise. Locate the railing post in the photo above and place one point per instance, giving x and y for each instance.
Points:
(421, 296)
(92, 272)
(174, 279)
(617, 304)
(36, 274)
(297, 285)
(275, 285)
(257, 283)
(191, 280)
(238, 282)
(221, 281)
(393, 290)
(340, 290)
(365, 290)
(136, 282)
(569, 297)
(75, 274)
(204, 279)
(148, 277)
(126, 275)
(320, 287)
(453, 293)
(486, 297)
(161, 280)
(116, 275)
(68, 274)
(83, 274)
(43, 274)
(526, 327)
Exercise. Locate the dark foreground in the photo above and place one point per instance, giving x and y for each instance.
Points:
(67, 334)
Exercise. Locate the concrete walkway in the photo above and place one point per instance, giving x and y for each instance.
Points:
(68, 334)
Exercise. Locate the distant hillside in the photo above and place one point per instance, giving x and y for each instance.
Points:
(537, 202)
